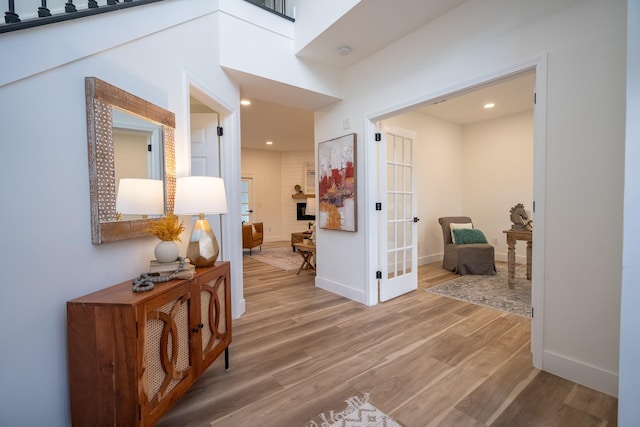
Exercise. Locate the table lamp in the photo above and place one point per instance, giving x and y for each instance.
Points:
(137, 196)
(201, 195)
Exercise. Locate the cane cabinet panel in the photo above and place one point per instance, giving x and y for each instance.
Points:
(132, 355)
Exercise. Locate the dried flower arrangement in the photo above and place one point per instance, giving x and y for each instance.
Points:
(167, 228)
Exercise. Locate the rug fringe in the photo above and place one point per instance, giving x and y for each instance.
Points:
(353, 404)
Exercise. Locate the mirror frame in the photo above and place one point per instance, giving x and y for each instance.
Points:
(100, 98)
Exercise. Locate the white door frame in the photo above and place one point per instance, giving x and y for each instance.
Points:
(539, 64)
(230, 173)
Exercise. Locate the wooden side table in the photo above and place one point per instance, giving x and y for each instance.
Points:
(308, 253)
(512, 237)
(298, 238)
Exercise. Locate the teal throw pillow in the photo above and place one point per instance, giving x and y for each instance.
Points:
(465, 236)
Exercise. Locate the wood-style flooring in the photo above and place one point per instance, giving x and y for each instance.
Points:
(425, 360)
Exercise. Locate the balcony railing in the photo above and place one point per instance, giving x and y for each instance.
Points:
(60, 11)
(279, 7)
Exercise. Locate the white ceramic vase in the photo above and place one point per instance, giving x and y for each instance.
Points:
(166, 251)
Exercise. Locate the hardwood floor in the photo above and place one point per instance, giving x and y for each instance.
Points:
(425, 360)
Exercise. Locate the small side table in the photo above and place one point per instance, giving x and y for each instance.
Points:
(512, 237)
(308, 253)
(299, 238)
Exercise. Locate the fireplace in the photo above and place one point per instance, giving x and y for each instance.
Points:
(300, 213)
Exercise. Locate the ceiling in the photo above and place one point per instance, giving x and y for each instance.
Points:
(291, 129)
(283, 114)
(370, 26)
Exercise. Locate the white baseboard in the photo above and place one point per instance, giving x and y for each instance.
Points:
(428, 259)
(502, 257)
(239, 309)
(582, 373)
(357, 295)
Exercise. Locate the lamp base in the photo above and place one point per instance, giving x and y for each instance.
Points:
(203, 247)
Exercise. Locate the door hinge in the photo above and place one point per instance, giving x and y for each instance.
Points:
(378, 274)
(532, 312)
(535, 98)
(534, 206)
(378, 137)
(220, 131)
(148, 147)
(378, 206)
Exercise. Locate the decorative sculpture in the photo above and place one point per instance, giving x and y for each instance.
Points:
(520, 218)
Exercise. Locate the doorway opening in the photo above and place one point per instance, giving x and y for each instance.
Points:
(536, 69)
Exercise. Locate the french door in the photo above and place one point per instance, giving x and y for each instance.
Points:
(397, 247)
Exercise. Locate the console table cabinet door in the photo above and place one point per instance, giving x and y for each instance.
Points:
(167, 352)
(215, 315)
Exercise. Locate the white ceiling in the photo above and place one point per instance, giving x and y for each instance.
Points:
(291, 129)
(284, 114)
(372, 25)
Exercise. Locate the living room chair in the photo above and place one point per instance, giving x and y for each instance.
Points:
(466, 258)
(252, 235)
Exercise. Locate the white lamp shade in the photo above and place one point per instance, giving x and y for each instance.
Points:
(200, 194)
(311, 207)
(138, 196)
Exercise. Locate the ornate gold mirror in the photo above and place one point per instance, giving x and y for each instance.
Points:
(116, 118)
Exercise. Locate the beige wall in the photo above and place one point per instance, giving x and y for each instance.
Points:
(264, 167)
(275, 174)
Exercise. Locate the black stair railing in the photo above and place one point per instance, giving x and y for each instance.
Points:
(13, 22)
(279, 7)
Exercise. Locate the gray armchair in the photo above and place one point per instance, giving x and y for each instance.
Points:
(472, 258)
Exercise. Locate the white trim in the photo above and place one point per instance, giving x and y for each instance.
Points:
(539, 216)
(582, 373)
(342, 290)
(230, 171)
(539, 64)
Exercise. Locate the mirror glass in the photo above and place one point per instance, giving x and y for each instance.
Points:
(137, 153)
(128, 137)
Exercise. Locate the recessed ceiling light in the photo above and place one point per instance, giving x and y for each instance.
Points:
(489, 105)
(269, 142)
(245, 102)
(344, 50)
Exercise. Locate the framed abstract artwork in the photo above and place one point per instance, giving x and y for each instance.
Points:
(338, 208)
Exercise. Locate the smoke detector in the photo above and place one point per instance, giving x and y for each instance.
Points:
(344, 50)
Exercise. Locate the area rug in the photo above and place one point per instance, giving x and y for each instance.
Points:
(491, 291)
(281, 257)
(359, 413)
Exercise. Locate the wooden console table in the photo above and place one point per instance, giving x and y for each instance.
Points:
(512, 237)
(132, 355)
(308, 253)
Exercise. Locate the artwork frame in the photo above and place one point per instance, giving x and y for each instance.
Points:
(337, 184)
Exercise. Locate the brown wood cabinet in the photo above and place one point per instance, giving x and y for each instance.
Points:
(132, 355)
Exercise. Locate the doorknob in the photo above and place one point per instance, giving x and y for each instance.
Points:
(416, 219)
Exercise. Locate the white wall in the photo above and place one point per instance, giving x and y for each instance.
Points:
(479, 170)
(48, 257)
(265, 169)
(498, 173)
(313, 17)
(584, 44)
(628, 408)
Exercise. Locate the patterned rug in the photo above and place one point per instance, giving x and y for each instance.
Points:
(491, 291)
(281, 257)
(359, 413)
